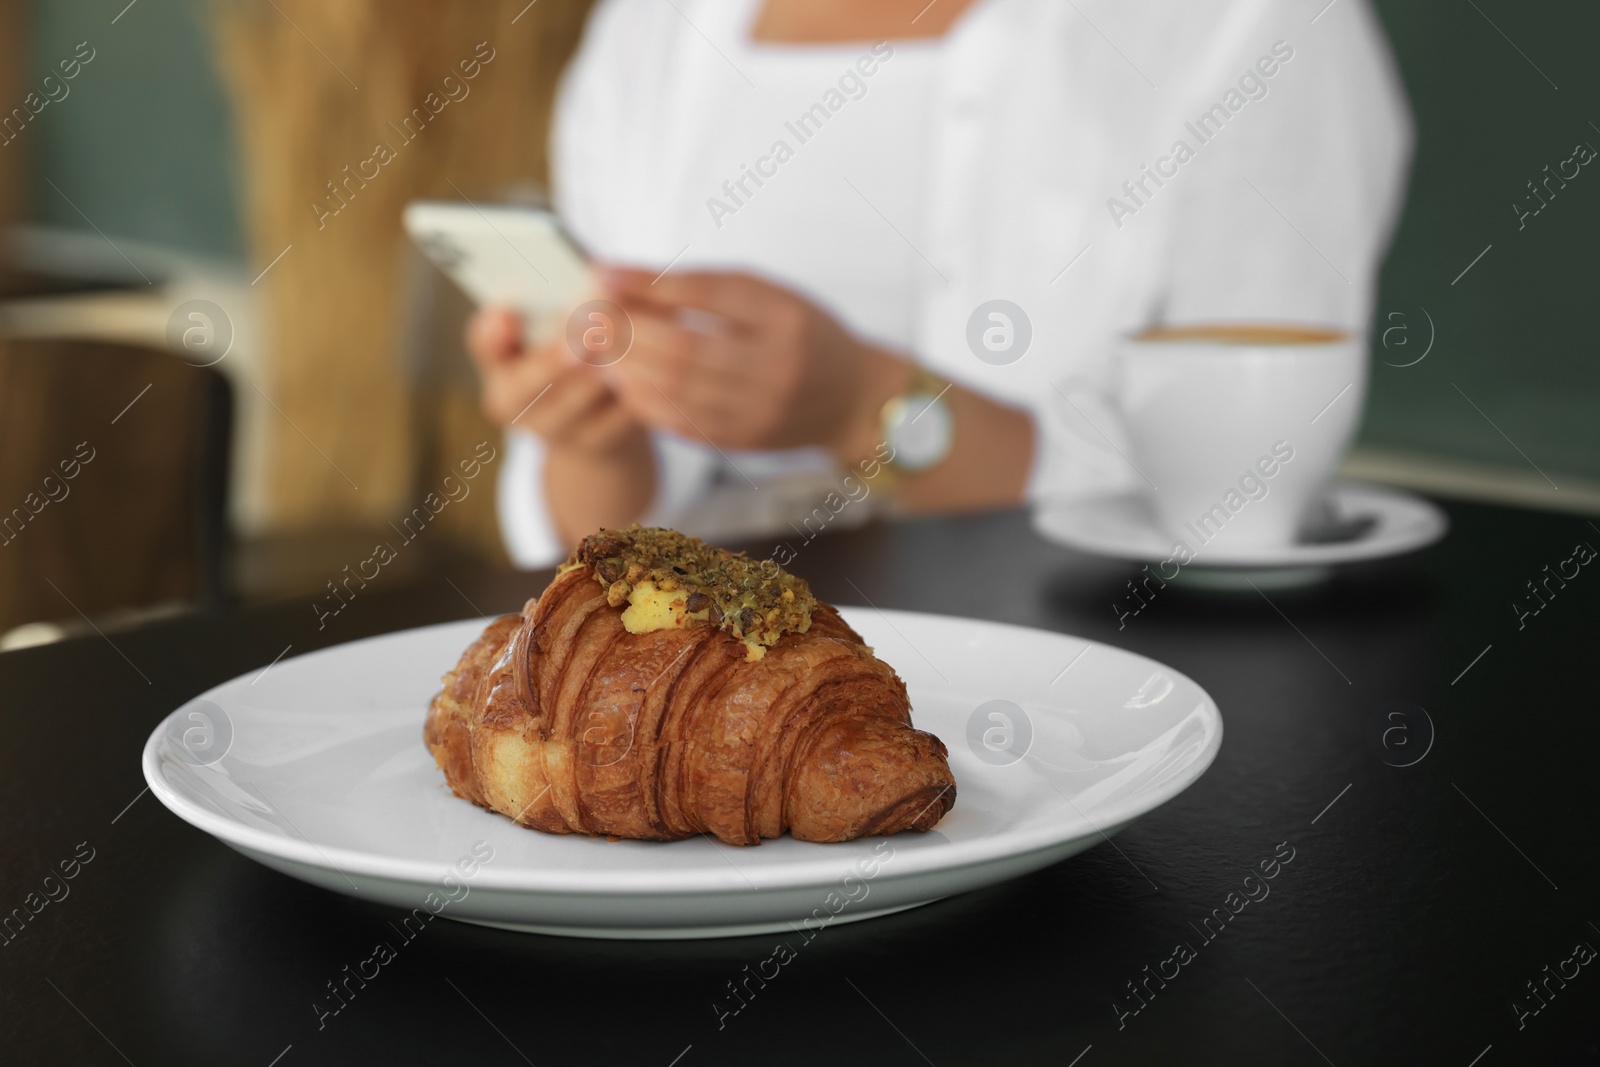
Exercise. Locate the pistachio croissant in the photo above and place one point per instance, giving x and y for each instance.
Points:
(660, 688)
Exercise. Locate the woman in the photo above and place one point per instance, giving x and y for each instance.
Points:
(894, 239)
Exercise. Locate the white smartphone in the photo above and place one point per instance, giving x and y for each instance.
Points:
(517, 257)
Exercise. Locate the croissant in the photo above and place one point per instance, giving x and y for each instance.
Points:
(660, 688)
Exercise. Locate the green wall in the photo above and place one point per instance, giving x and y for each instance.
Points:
(143, 146)
(142, 143)
(1511, 334)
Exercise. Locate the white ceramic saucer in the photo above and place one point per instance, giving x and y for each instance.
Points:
(1377, 522)
(316, 768)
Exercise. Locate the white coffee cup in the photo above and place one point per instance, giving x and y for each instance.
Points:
(1237, 429)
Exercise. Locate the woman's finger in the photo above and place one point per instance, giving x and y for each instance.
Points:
(741, 298)
(494, 336)
(510, 389)
(652, 402)
(556, 410)
(661, 343)
(702, 411)
(663, 347)
(606, 426)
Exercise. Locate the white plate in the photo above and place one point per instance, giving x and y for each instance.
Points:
(317, 769)
(1121, 527)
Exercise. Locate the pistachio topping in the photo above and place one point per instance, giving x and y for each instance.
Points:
(756, 601)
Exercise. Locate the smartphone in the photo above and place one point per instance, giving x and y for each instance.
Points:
(516, 257)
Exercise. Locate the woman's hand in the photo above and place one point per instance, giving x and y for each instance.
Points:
(599, 465)
(745, 364)
(547, 390)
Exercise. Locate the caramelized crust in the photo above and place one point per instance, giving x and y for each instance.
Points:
(564, 721)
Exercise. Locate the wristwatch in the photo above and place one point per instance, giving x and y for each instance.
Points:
(917, 425)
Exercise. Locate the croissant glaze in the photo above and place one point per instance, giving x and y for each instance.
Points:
(566, 722)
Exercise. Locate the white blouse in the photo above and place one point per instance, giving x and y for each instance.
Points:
(1103, 167)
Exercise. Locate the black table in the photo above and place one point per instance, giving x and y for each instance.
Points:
(1437, 870)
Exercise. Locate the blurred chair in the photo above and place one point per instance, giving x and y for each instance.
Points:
(140, 526)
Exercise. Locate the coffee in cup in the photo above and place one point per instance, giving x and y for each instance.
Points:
(1237, 429)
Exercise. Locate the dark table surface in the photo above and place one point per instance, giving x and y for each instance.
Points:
(1442, 861)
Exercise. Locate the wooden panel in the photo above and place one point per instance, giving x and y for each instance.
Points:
(101, 504)
(332, 303)
(13, 155)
